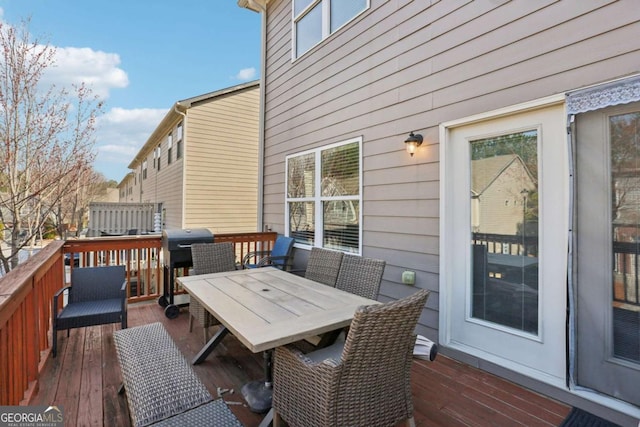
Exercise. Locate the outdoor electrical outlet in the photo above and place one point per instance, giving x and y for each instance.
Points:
(409, 277)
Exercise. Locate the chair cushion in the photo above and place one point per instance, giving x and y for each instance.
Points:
(89, 313)
(330, 353)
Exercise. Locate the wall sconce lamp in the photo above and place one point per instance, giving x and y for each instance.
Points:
(413, 142)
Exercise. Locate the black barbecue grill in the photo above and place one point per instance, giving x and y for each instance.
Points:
(176, 251)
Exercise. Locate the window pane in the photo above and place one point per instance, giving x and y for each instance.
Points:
(343, 10)
(341, 225)
(301, 176)
(309, 30)
(302, 222)
(504, 224)
(179, 132)
(300, 5)
(340, 171)
(625, 178)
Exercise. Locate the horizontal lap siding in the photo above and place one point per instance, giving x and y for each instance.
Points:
(408, 66)
(221, 176)
(164, 185)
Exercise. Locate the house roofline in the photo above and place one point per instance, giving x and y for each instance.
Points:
(254, 5)
(122, 182)
(187, 103)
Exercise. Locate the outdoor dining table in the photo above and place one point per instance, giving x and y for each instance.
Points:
(265, 308)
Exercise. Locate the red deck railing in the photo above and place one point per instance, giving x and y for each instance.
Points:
(26, 295)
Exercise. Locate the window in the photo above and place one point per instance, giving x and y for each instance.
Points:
(179, 139)
(505, 240)
(144, 170)
(158, 153)
(169, 145)
(323, 196)
(315, 20)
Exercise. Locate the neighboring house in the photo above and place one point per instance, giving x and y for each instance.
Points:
(343, 86)
(199, 166)
(500, 186)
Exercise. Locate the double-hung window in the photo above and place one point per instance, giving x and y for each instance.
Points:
(315, 20)
(169, 147)
(324, 188)
(179, 141)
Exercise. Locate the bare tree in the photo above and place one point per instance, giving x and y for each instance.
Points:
(47, 138)
(72, 208)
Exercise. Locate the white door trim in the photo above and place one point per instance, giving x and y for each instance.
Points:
(447, 238)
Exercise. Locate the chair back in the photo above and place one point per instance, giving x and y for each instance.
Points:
(360, 276)
(281, 252)
(96, 283)
(213, 257)
(377, 360)
(323, 266)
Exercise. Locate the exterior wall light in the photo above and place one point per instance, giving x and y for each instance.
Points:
(413, 142)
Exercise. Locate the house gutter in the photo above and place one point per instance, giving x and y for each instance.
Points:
(184, 158)
(260, 7)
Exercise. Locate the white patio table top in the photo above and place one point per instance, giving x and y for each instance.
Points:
(266, 307)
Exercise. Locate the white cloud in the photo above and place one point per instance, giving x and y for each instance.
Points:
(99, 70)
(246, 74)
(120, 135)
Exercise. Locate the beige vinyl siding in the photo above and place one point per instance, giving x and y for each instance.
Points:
(164, 186)
(408, 66)
(221, 155)
(169, 187)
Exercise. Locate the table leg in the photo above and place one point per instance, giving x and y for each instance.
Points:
(268, 419)
(258, 394)
(210, 345)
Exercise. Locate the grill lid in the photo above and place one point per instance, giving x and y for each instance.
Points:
(181, 239)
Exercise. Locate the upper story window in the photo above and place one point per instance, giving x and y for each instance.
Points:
(169, 147)
(323, 196)
(144, 169)
(179, 141)
(315, 20)
(158, 154)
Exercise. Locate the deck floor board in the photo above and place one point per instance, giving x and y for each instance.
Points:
(85, 377)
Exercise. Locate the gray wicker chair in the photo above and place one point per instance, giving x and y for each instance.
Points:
(209, 258)
(323, 266)
(364, 381)
(361, 276)
(97, 296)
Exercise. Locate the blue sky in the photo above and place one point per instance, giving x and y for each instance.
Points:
(141, 57)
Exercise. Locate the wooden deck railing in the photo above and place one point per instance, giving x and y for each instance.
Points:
(25, 312)
(26, 295)
(141, 255)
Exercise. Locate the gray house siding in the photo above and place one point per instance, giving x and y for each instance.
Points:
(406, 66)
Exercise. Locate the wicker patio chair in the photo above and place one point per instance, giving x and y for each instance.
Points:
(97, 296)
(280, 256)
(364, 381)
(209, 258)
(323, 266)
(361, 276)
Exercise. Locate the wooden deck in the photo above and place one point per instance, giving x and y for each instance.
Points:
(85, 377)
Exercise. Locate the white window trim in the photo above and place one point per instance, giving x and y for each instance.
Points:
(319, 225)
(326, 24)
